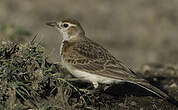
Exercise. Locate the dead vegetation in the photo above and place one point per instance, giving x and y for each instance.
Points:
(28, 81)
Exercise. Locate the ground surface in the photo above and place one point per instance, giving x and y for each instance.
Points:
(28, 81)
(142, 33)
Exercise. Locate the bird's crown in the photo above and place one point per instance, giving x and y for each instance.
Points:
(71, 21)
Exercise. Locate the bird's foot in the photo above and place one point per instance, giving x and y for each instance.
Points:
(92, 90)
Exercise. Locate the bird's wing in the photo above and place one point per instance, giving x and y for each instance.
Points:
(93, 58)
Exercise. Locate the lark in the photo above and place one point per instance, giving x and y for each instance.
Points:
(89, 61)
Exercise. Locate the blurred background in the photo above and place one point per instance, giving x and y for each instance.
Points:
(136, 31)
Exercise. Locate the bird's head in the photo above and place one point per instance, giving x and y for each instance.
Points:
(69, 28)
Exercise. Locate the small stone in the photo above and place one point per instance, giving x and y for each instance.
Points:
(133, 103)
(173, 85)
(3, 42)
(121, 104)
(141, 108)
(155, 79)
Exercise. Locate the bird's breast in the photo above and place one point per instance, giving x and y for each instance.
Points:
(65, 48)
(66, 52)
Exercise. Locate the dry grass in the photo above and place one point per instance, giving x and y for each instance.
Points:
(28, 81)
(136, 31)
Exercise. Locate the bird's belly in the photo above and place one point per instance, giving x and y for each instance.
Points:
(86, 76)
(82, 75)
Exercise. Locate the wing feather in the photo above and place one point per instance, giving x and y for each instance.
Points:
(90, 57)
(93, 58)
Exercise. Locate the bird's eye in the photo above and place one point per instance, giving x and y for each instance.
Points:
(65, 25)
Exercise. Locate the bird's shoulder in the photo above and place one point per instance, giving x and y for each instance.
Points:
(85, 51)
(92, 50)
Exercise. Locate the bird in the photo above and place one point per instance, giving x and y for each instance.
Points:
(91, 62)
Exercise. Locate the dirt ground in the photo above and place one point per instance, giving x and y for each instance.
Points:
(30, 82)
(143, 34)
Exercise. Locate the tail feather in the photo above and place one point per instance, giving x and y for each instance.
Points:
(153, 89)
(157, 92)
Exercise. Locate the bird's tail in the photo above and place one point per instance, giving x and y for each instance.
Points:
(157, 92)
(153, 89)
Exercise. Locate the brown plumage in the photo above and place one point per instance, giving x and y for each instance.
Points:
(89, 61)
(90, 57)
(72, 21)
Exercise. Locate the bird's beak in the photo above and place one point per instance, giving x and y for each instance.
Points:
(52, 24)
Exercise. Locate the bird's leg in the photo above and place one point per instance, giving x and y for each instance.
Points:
(95, 84)
(89, 89)
(96, 88)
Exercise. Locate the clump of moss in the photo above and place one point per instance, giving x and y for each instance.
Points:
(24, 74)
(29, 81)
(21, 69)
